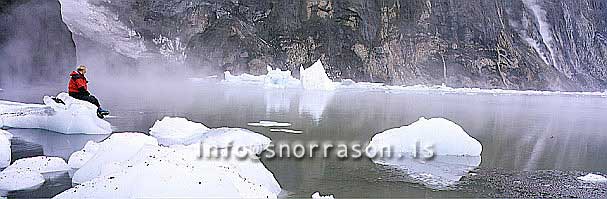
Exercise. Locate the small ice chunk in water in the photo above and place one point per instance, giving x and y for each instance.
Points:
(70, 117)
(315, 78)
(286, 131)
(593, 178)
(5, 148)
(14, 180)
(40, 164)
(174, 130)
(280, 79)
(317, 195)
(269, 124)
(434, 152)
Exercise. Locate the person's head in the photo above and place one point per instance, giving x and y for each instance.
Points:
(81, 69)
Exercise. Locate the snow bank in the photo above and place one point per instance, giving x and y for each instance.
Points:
(269, 124)
(79, 158)
(73, 117)
(315, 78)
(20, 180)
(40, 164)
(435, 152)
(280, 79)
(593, 178)
(134, 166)
(170, 131)
(117, 148)
(317, 195)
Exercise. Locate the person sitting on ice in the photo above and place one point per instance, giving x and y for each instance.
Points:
(78, 89)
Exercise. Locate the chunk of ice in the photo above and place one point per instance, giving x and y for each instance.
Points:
(40, 164)
(269, 124)
(317, 195)
(73, 117)
(315, 78)
(172, 130)
(79, 158)
(593, 178)
(5, 148)
(14, 180)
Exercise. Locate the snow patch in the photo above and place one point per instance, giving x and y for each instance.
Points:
(72, 117)
(317, 195)
(435, 152)
(593, 178)
(172, 49)
(269, 124)
(171, 130)
(315, 78)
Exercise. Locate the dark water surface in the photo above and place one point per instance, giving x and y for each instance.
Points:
(544, 142)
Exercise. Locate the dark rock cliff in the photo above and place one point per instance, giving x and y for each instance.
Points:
(36, 47)
(515, 44)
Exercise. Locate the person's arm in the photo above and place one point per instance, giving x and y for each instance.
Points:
(81, 84)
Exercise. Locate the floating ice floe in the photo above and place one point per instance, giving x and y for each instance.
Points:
(70, 117)
(117, 148)
(171, 130)
(280, 79)
(79, 158)
(317, 195)
(40, 164)
(315, 78)
(146, 170)
(593, 178)
(435, 152)
(243, 79)
(286, 131)
(5, 148)
(235, 138)
(269, 124)
(20, 180)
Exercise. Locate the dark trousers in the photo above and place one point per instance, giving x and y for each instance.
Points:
(89, 98)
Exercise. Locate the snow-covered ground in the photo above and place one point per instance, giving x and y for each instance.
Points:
(73, 117)
(435, 152)
(130, 165)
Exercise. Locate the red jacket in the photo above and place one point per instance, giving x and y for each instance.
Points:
(77, 83)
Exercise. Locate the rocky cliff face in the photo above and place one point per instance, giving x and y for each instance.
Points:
(515, 44)
(35, 45)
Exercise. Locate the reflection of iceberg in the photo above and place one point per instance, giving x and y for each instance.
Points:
(314, 103)
(435, 152)
(278, 100)
(70, 117)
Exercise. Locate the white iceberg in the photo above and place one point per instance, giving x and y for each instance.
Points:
(40, 164)
(243, 79)
(435, 152)
(171, 130)
(79, 158)
(315, 78)
(593, 178)
(269, 124)
(317, 195)
(71, 117)
(14, 180)
(280, 79)
(5, 148)
(117, 148)
(128, 166)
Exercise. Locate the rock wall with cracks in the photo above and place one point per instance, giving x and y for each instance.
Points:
(514, 44)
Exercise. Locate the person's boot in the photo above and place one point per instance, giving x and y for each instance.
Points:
(101, 113)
